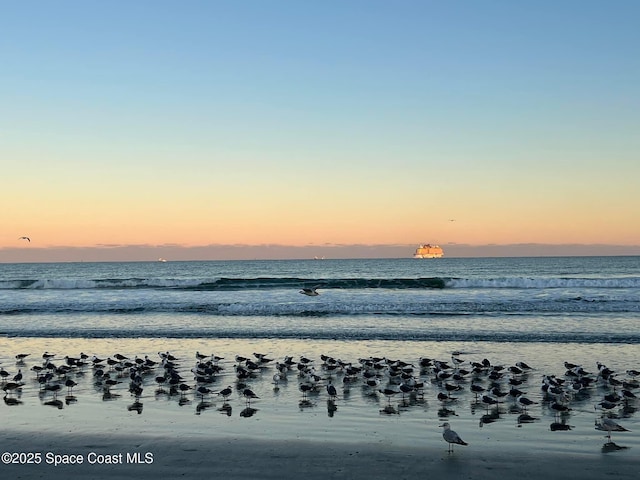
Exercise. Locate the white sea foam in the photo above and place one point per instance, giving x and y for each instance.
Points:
(541, 283)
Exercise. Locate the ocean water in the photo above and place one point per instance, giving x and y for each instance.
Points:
(543, 311)
(572, 299)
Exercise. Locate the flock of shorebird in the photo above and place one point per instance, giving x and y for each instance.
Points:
(496, 388)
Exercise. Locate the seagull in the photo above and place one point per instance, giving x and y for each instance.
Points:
(476, 389)
(388, 392)
(523, 366)
(559, 408)
(525, 402)
(451, 437)
(609, 426)
(331, 390)
(11, 386)
(249, 395)
(310, 292)
(202, 391)
(70, 384)
(201, 356)
(184, 388)
(225, 392)
(25, 238)
(305, 388)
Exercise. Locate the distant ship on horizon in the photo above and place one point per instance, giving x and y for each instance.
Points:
(428, 251)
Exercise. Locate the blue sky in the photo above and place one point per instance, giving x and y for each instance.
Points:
(336, 118)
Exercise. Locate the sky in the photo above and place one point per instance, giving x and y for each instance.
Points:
(202, 126)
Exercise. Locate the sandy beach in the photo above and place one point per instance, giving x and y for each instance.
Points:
(233, 458)
(362, 433)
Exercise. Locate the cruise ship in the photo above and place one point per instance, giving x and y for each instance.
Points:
(428, 251)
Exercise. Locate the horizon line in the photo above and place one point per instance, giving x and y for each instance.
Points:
(212, 252)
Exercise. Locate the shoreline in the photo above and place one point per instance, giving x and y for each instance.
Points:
(236, 458)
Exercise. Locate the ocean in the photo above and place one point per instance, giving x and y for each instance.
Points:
(555, 300)
(541, 311)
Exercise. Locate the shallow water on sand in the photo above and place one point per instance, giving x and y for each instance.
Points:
(359, 414)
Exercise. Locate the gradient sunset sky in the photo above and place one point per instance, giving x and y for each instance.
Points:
(296, 123)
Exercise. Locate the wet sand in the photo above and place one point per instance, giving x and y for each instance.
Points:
(283, 434)
(233, 458)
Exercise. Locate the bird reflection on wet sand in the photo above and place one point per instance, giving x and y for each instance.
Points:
(248, 412)
(135, 406)
(332, 408)
(55, 403)
(526, 418)
(306, 403)
(612, 447)
(109, 396)
(11, 401)
(560, 427)
(389, 410)
(226, 409)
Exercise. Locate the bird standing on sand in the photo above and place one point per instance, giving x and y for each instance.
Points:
(331, 390)
(310, 292)
(609, 426)
(226, 392)
(451, 437)
(11, 386)
(524, 402)
(249, 395)
(70, 384)
(202, 391)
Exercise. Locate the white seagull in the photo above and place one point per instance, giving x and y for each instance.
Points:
(451, 437)
(608, 425)
(311, 292)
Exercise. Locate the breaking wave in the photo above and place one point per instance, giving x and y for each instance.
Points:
(265, 283)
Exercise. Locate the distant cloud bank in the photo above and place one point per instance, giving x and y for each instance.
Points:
(116, 253)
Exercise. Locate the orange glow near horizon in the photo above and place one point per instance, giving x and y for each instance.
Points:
(356, 216)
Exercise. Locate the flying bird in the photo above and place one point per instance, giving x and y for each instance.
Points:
(25, 238)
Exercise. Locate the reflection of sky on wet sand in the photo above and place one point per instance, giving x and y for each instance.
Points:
(357, 414)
